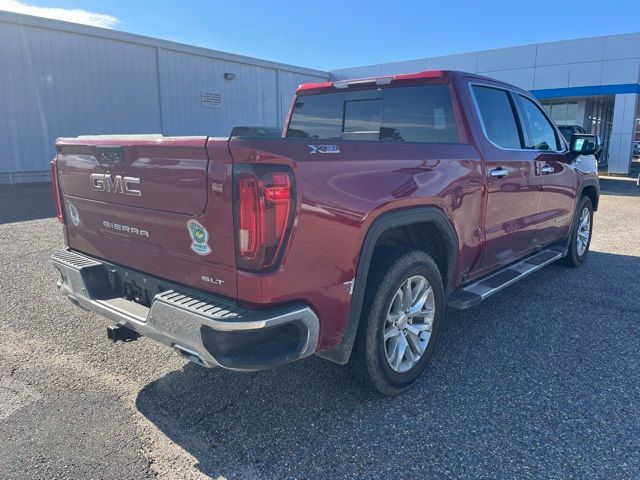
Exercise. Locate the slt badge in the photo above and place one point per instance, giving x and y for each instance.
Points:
(199, 237)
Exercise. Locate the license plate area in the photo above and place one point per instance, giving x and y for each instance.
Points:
(134, 286)
(137, 294)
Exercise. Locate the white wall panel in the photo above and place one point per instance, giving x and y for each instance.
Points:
(56, 84)
(522, 77)
(249, 99)
(465, 62)
(61, 79)
(507, 58)
(357, 72)
(620, 71)
(623, 132)
(585, 74)
(556, 76)
(407, 66)
(592, 61)
(570, 51)
(622, 46)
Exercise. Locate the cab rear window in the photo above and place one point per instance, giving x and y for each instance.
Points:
(400, 114)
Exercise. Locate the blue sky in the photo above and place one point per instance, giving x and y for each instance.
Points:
(332, 34)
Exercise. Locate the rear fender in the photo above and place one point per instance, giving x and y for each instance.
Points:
(342, 351)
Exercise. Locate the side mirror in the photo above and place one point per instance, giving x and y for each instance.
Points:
(585, 144)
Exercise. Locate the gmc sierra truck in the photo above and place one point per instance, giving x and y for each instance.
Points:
(385, 200)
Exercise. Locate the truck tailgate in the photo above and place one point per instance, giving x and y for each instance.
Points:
(161, 205)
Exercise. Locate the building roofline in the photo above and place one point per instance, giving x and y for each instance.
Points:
(471, 52)
(77, 28)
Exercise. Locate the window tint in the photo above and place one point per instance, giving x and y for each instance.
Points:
(542, 136)
(419, 114)
(398, 114)
(362, 119)
(498, 116)
(317, 116)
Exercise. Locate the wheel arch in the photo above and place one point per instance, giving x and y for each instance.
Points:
(386, 222)
(591, 188)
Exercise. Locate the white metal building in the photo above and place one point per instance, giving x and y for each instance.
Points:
(591, 82)
(64, 79)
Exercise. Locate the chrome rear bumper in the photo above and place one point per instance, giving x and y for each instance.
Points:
(209, 330)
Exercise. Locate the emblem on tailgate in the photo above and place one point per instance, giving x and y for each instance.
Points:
(125, 228)
(73, 213)
(199, 237)
(105, 182)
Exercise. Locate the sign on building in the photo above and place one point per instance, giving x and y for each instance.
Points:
(211, 100)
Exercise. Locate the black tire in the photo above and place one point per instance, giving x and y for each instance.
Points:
(391, 267)
(573, 257)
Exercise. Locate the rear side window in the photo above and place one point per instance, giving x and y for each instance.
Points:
(498, 116)
(542, 135)
(317, 116)
(399, 114)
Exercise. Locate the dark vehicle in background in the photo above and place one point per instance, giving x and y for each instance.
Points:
(387, 200)
(636, 150)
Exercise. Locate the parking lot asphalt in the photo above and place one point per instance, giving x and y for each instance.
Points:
(540, 381)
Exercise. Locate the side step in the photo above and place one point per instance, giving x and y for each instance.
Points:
(472, 294)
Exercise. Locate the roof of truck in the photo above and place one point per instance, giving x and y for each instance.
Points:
(404, 78)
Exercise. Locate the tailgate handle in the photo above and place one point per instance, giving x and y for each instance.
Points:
(109, 154)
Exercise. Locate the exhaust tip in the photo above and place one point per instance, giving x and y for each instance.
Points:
(189, 355)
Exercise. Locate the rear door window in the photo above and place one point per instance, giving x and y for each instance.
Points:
(498, 116)
(400, 114)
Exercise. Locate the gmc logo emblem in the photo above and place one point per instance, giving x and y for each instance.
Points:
(105, 182)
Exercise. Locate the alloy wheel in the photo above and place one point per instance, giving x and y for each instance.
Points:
(409, 323)
(584, 231)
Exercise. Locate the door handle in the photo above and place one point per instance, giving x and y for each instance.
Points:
(499, 172)
(547, 169)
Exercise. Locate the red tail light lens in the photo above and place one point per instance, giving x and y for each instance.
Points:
(248, 217)
(264, 206)
(56, 189)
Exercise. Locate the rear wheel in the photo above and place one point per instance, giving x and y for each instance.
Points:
(580, 234)
(400, 320)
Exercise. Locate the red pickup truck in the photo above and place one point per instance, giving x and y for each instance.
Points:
(385, 200)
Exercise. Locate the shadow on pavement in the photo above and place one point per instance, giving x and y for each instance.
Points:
(623, 186)
(30, 201)
(526, 384)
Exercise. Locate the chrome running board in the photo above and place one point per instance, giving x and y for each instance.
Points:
(473, 293)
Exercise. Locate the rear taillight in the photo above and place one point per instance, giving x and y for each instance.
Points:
(56, 189)
(264, 207)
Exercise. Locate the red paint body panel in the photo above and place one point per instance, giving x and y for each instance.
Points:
(181, 179)
(338, 198)
(341, 196)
